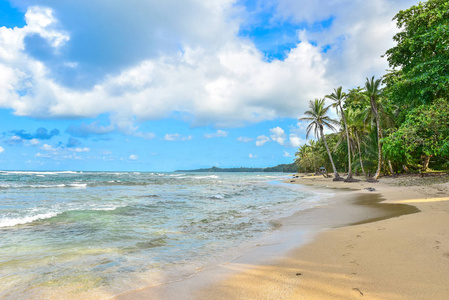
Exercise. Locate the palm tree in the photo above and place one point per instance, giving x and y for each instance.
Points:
(317, 115)
(313, 148)
(338, 97)
(373, 91)
(356, 127)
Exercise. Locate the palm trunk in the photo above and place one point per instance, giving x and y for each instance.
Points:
(379, 149)
(349, 146)
(336, 175)
(391, 168)
(360, 153)
(379, 134)
(425, 165)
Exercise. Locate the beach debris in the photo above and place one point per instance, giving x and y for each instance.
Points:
(358, 290)
(298, 274)
(372, 180)
(351, 180)
(371, 189)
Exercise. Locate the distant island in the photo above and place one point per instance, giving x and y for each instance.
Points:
(284, 168)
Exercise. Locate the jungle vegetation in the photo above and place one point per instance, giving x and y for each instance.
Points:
(396, 123)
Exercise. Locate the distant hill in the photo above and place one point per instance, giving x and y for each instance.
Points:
(284, 168)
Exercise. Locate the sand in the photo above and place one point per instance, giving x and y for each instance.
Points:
(397, 249)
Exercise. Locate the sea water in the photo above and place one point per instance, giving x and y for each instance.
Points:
(84, 232)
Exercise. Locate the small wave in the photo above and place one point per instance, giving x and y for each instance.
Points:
(77, 185)
(37, 173)
(218, 196)
(44, 186)
(10, 222)
(205, 177)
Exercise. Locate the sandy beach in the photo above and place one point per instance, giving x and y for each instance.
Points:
(390, 243)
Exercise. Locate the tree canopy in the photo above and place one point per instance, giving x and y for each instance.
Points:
(420, 59)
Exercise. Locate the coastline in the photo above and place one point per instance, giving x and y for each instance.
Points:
(380, 252)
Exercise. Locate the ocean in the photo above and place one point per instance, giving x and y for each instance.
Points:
(74, 234)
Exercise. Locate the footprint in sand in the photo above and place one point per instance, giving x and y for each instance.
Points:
(446, 254)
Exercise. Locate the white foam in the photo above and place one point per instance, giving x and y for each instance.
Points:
(9, 222)
(205, 177)
(78, 185)
(36, 173)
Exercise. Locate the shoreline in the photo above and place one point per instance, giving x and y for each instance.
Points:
(262, 272)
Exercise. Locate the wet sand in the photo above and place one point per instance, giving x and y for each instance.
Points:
(376, 250)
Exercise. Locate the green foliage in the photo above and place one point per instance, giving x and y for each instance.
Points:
(425, 132)
(405, 123)
(420, 60)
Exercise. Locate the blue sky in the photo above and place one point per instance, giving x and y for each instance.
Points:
(151, 86)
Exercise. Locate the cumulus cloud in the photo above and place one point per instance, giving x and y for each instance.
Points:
(356, 38)
(261, 140)
(155, 60)
(252, 156)
(2, 149)
(34, 142)
(278, 135)
(177, 137)
(79, 149)
(222, 82)
(47, 147)
(295, 141)
(133, 157)
(245, 139)
(219, 133)
(40, 155)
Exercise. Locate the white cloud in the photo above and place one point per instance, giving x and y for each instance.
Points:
(47, 147)
(252, 156)
(244, 139)
(79, 149)
(40, 155)
(200, 67)
(295, 141)
(278, 135)
(40, 20)
(177, 137)
(34, 142)
(219, 133)
(133, 157)
(2, 149)
(261, 140)
(357, 37)
(286, 154)
(222, 81)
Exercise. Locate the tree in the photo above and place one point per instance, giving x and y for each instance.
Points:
(317, 115)
(420, 59)
(356, 128)
(338, 97)
(425, 133)
(373, 91)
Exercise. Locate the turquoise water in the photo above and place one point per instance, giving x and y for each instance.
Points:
(83, 232)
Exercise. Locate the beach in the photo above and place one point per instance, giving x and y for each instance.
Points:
(351, 249)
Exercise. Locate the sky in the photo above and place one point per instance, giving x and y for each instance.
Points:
(147, 85)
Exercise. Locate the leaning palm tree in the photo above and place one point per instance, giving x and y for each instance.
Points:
(317, 115)
(313, 146)
(373, 91)
(356, 128)
(338, 97)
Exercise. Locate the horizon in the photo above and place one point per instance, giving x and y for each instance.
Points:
(156, 86)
